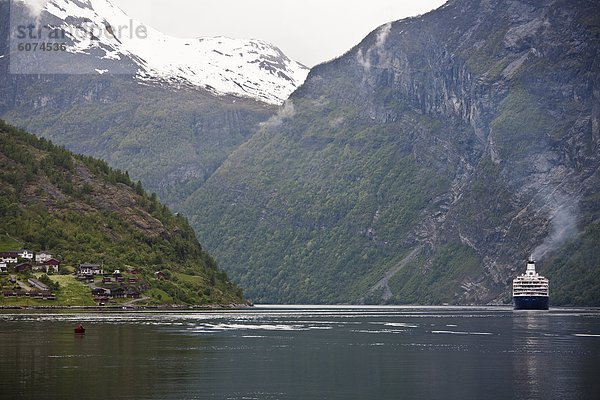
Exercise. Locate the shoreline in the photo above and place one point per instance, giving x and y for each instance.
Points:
(172, 307)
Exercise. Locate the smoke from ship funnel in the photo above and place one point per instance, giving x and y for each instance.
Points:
(563, 226)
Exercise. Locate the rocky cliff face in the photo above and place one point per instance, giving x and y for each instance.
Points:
(424, 165)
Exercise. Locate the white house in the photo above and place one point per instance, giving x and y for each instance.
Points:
(9, 257)
(3, 268)
(42, 257)
(51, 265)
(89, 269)
(27, 254)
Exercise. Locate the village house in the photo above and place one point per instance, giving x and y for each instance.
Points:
(42, 257)
(160, 275)
(117, 293)
(3, 268)
(23, 268)
(49, 296)
(89, 269)
(41, 294)
(118, 277)
(9, 257)
(100, 298)
(25, 254)
(51, 264)
(98, 291)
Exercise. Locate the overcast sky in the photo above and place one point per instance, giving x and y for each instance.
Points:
(308, 31)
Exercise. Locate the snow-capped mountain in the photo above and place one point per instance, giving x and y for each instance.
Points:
(103, 39)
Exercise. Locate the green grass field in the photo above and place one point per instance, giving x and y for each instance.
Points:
(158, 296)
(193, 279)
(72, 292)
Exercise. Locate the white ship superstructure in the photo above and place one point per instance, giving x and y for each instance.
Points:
(531, 290)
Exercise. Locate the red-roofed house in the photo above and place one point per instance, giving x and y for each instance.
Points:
(51, 265)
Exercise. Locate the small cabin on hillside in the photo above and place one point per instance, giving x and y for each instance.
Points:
(117, 293)
(99, 291)
(23, 268)
(3, 268)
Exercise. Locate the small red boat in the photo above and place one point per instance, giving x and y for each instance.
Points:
(80, 330)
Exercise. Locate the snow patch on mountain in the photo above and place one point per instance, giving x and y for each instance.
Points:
(224, 66)
(36, 6)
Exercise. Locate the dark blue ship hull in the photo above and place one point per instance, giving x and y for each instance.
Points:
(531, 302)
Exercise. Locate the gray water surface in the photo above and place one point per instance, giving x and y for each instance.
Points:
(302, 353)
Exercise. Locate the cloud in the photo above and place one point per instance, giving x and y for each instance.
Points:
(382, 35)
(286, 112)
(364, 58)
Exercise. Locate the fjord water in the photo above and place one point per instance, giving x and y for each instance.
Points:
(302, 353)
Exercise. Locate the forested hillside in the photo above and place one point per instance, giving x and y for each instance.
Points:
(83, 211)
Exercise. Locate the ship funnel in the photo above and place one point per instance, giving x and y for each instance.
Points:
(530, 266)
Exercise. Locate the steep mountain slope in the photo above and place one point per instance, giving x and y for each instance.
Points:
(425, 165)
(167, 110)
(100, 38)
(83, 211)
(171, 140)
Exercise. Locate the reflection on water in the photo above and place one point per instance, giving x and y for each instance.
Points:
(529, 347)
(302, 353)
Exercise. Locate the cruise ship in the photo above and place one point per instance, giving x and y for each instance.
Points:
(530, 290)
